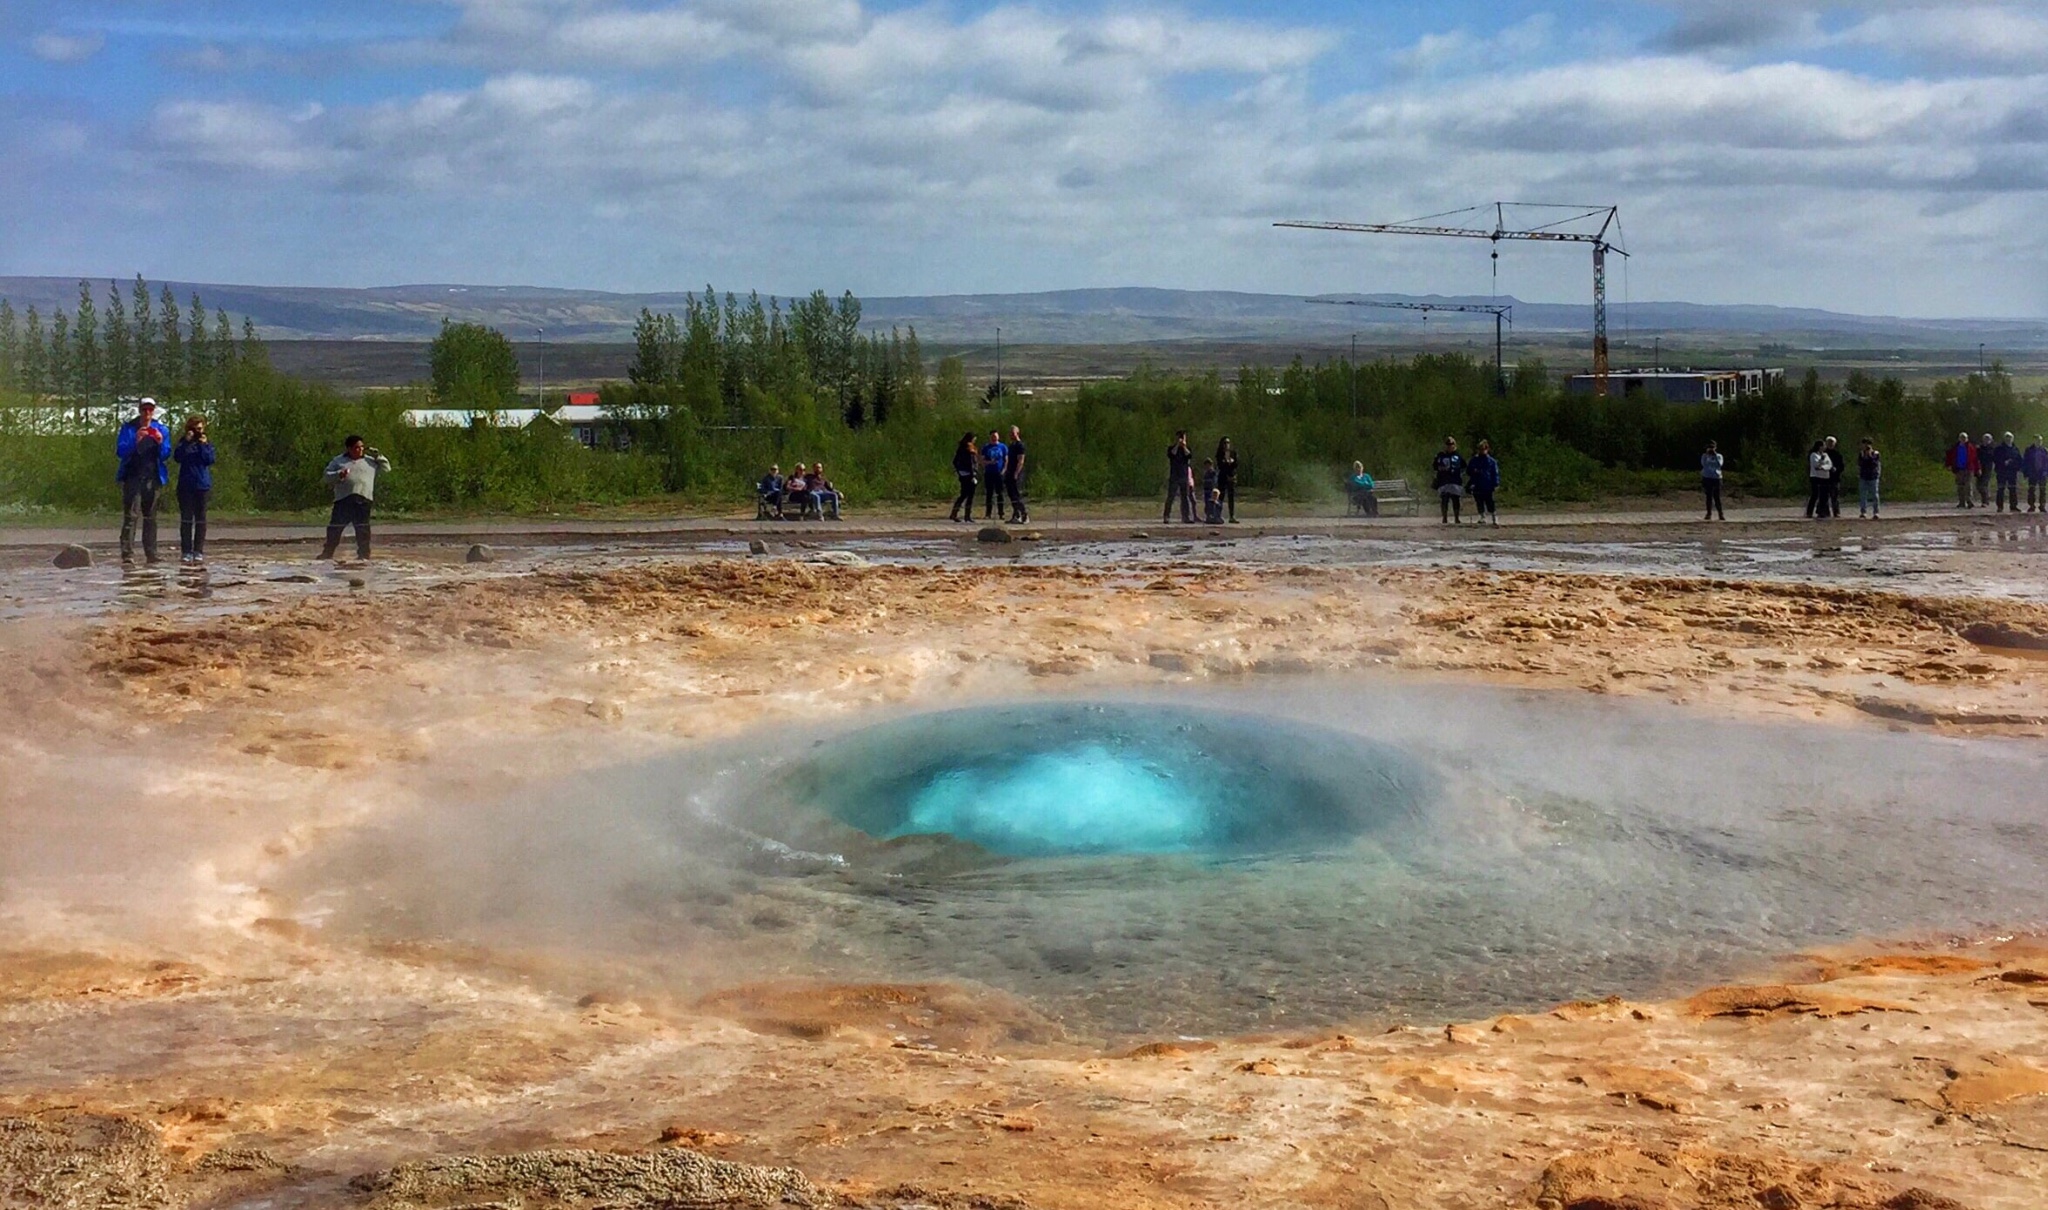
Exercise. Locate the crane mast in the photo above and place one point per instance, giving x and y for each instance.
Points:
(1608, 217)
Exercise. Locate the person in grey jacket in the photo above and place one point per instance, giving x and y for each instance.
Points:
(353, 476)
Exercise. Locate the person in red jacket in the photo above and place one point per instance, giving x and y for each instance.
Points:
(1962, 463)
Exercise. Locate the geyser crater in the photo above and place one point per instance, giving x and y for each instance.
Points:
(1073, 779)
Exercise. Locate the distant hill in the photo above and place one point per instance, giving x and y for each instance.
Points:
(1103, 316)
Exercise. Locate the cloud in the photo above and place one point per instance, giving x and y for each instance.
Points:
(1984, 37)
(929, 148)
(53, 47)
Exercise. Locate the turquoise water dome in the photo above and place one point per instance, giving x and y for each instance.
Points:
(1080, 779)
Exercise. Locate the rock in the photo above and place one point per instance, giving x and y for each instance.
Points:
(480, 553)
(1033, 536)
(1170, 661)
(993, 533)
(295, 577)
(357, 582)
(73, 556)
(1141, 534)
(756, 546)
(837, 558)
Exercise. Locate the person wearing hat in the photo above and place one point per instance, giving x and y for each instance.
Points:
(142, 466)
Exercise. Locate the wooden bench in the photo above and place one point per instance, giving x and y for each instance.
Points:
(805, 510)
(1385, 492)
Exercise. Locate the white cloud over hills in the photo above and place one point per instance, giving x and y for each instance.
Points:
(1875, 156)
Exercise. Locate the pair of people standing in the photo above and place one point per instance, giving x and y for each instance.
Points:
(143, 456)
(1824, 467)
(1219, 482)
(1454, 476)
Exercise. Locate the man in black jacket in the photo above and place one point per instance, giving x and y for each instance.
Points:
(1013, 477)
(1837, 463)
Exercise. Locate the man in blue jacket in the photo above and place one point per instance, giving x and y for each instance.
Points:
(142, 465)
(2005, 463)
(995, 464)
(2035, 464)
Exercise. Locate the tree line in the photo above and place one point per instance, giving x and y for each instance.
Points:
(137, 344)
(736, 363)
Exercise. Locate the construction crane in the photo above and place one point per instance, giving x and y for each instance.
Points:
(1608, 217)
(1500, 312)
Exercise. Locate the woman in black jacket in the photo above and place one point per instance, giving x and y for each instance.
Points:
(966, 464)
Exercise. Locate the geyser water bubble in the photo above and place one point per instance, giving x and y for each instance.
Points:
(1077, 779)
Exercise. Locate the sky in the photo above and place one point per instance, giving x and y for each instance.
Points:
(1877, 156)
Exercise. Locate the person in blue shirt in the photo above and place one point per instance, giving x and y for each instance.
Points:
(995, 460)
(142, 466)
(194, 456)
(1711, 466)
(1483, 473)
(1360, 487)
(769, 491)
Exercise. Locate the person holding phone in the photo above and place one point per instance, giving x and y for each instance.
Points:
(142, 457)
(194, 456)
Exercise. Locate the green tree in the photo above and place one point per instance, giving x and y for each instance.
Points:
(35, 359)
(63, 381)
(220, 354)
(85, 348)
(473, 368)
(951, 393)
(144, 352)
(119, 367)
(170, 362)
(252, 352)
(10, 348)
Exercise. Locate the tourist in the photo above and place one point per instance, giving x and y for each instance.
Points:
(797, 490)
(1212, 494)
(1818, 466)
(1711, 465)
(770, 491)
(1450, 482)
(1837, 464)
(142, 454)
(2005, 463)
(1961, 461)
(353, 476)
(194, 456)
(1869, 473)
(1014, 477)
(1985, 466)
(1226, 476)
(2034, 463)
(1360, 487)
(1484, 476)
(995, 462)
(824, 496)
(1180, 479)
(966, 468)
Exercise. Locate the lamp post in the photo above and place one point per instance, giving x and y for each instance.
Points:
(540, 346)
(1353, 376)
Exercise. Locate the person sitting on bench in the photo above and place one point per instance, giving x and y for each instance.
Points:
(770, 491)
(823, 495)
(1360, 486)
